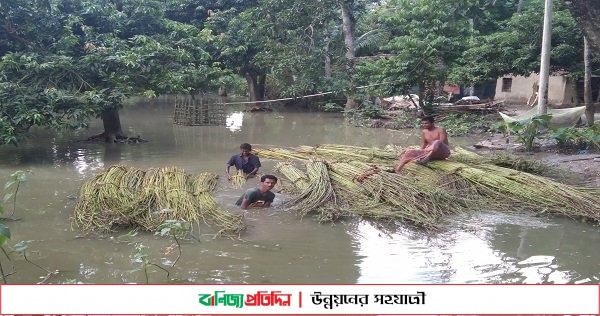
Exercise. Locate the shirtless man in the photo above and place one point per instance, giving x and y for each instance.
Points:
(434, 147)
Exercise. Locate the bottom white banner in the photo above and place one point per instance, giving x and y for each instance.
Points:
(426, 299)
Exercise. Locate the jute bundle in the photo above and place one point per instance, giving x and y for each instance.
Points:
(356, 184)
(203, 187)
(238, 179)
(124, 196)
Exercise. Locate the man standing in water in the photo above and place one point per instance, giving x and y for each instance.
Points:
(245, 161)
(434, 147)
(261, 196)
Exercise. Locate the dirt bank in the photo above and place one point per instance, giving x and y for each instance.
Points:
(584, 166)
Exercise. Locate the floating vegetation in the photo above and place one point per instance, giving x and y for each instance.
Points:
(331, 181)
(123, 196)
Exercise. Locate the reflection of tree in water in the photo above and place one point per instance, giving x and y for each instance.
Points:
(45, 148)
(563, 253)
(202, 138)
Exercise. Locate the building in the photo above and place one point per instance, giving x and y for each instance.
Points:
(561, 90)
(521, 90)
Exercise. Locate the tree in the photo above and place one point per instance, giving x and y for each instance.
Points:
(427, 37)
(515, 46)
(87, 57)
(587, 14)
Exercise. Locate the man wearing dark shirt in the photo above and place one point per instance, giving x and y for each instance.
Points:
(261, 196)
(245, 161)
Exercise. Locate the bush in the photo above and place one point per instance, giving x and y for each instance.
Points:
(332, 107)
(527, 132)
(405, 120)
(569, 139)
(464, 124)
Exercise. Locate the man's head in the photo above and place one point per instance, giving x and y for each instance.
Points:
(267, 182)
(427, 122)
(246, 149)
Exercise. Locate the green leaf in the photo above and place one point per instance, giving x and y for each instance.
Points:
(7, 197)
(9, 184)
(4, 234)
(22, 246)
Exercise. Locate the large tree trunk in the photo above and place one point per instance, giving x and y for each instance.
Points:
(260, 85)
(112, 125)
(348, 24)
(252, 86)
(587, 14)
(587, 83)
(222, 91)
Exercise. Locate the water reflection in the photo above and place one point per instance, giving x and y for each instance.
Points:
(87, 164)
(234, 121)
(499, 251)
(558, 253)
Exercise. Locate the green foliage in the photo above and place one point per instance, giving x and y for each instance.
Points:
(363, 115)
(4, 234)
(371, 111)
(68, 62)
(512, 43)
(465, 124)
(173, 228)
(332, 107)
(405, 120)
(11, 188)
(63, 62)
(500, 127)
(142, 257)
(426, 38)
(570, 139)
(527, 132)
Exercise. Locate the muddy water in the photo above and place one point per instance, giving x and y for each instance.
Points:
(277, 247)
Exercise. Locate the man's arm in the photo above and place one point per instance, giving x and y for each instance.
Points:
(424, 143)
(245, 204)
(253, 172)
(444, 136)
(256, 164)
(269, 199)
(230, 163)
(227, 171)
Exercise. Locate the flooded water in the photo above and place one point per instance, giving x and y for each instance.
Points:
(277, 247)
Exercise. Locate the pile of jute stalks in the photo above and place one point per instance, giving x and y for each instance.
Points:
(332, 181)
(131, 197)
